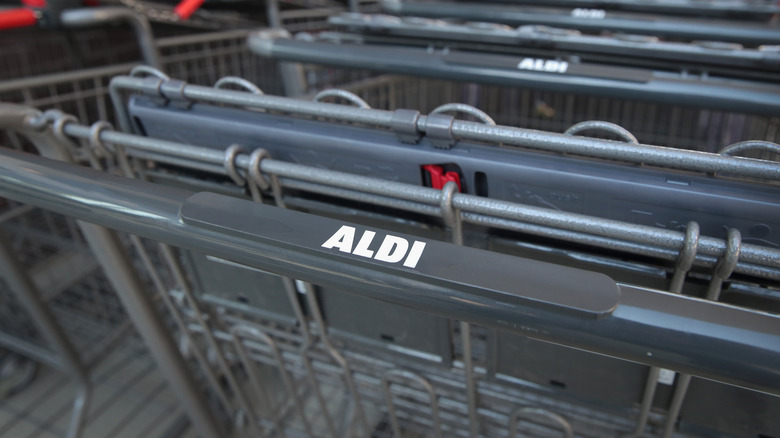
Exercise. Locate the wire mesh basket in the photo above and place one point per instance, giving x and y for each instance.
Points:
(70, 70)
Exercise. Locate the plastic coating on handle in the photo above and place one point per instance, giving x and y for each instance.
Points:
(506, 279)
(186, 8)
(15, 18)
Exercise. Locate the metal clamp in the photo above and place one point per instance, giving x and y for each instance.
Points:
(404, 124)
(438, 128)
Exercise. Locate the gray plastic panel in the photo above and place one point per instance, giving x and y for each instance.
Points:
(240, 288)
(400, 329)
(574, 372)
(715, 409)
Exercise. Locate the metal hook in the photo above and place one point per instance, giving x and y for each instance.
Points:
(410, 376)
(258, 155)
(566, 428)
(450, 214)
(750, 145)
(686, 257)
(239, 82)
(466, 109)
(94, 138)
(726, 264)
(39, 120)
(139, 70)
(598, 125)
(346, 95)
(229, 162)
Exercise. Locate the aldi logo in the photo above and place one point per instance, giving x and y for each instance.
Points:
(543, 65)
(392, 249)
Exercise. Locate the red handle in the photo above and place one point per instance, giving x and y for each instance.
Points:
(22, 17)
(187, 7)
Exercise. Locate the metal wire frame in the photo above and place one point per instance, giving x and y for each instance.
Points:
(200, 58)
(684, 263)
(80, 298)
(32, 52)
(487, 412)
(653, 123)
(665, 125)
(221, 164)
(472, 209)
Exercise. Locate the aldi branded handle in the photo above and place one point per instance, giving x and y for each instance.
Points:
(529, 72)
(749, 33)
(544, 301)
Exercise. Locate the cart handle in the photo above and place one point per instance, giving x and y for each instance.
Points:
(186, 8)
(19, 17)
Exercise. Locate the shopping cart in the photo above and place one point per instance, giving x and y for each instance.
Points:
(672, 109)
(294, 358)
(699, 27)
(78, 324)
(740, 9)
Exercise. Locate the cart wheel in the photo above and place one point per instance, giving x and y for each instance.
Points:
(16, 373)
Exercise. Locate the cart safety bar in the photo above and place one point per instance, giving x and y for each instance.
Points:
(20, 17)
(415, 125)
(533, 73)
(706, 339)
(509, 40)
(691, 29)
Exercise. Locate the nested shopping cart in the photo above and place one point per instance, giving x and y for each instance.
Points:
(57, 307)
(665, 93)
(749, 23)
(333, 305)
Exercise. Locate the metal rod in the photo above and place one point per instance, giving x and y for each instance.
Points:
(118, 268)
(469, 204)
(24, 290)
(720, 273)
(96, 16)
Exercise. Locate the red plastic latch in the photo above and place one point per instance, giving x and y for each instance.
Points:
(439, 178)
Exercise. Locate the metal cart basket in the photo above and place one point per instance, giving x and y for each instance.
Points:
(532, 89)
(57, 306)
